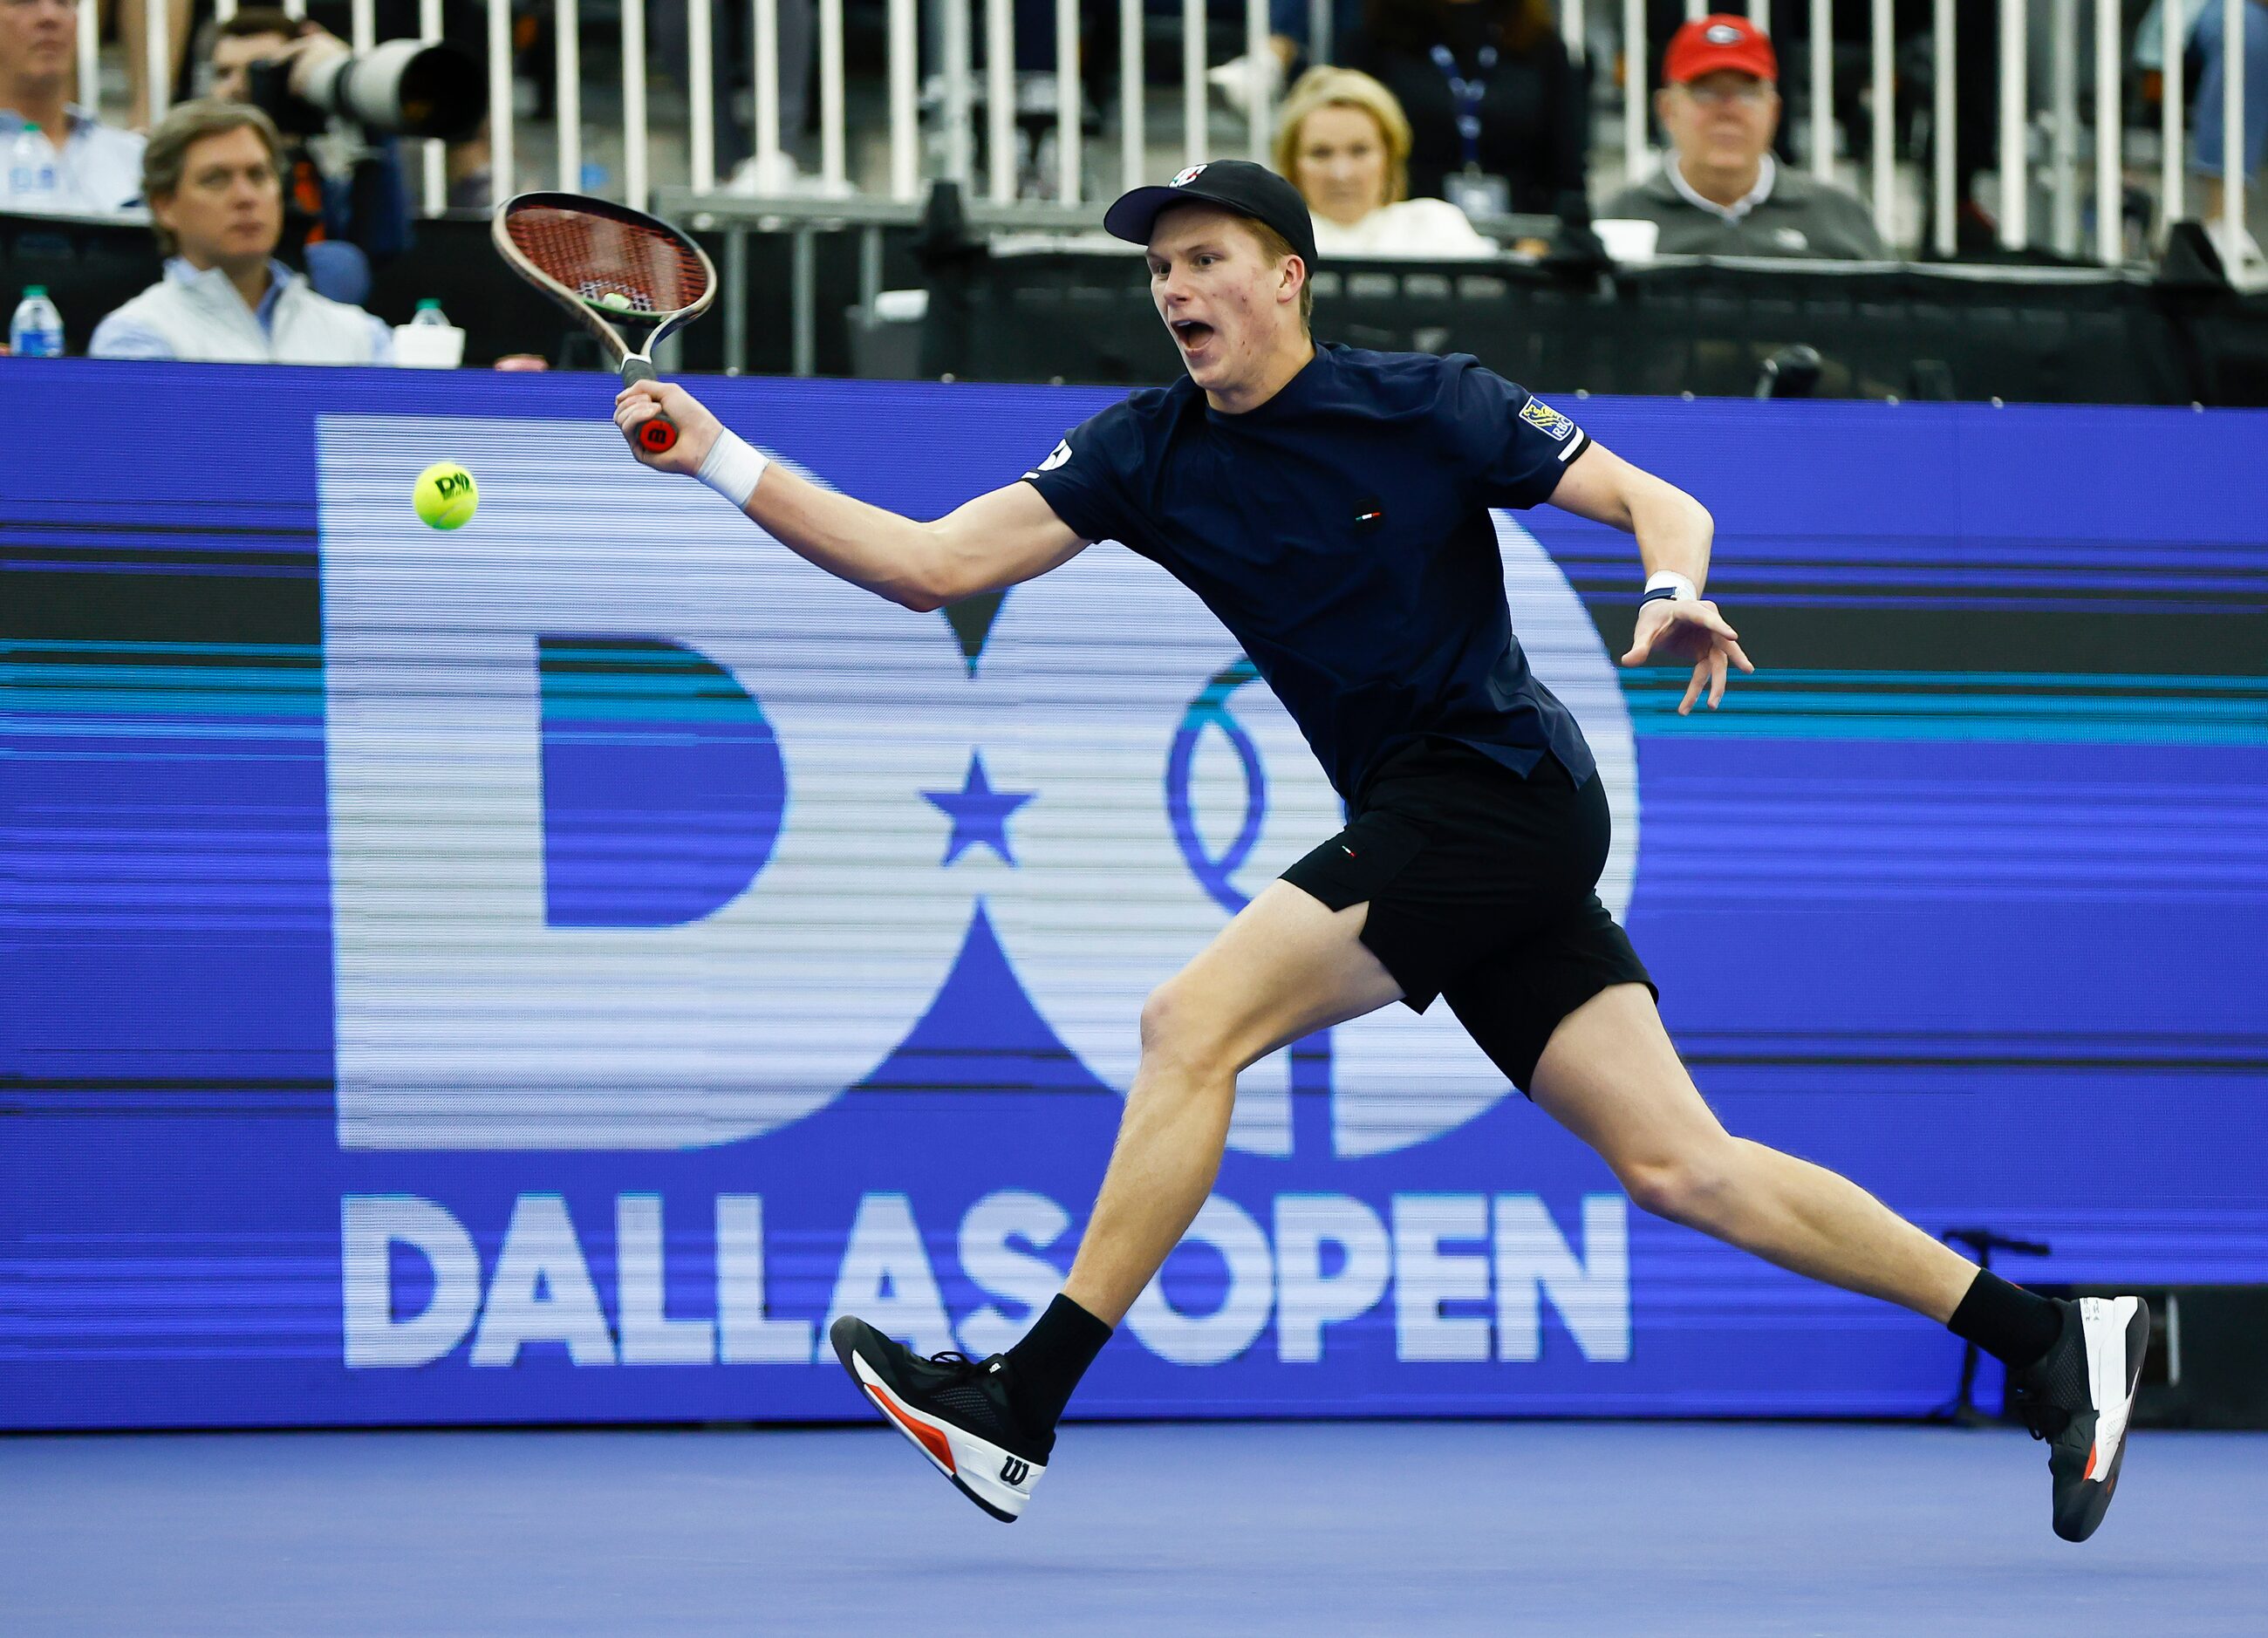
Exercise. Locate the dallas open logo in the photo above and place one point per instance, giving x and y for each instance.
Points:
(528, 958)
(1107, 781)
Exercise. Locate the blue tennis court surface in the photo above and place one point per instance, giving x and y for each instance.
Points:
(1383, 1528)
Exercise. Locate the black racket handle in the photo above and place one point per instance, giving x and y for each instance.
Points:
(659, 435)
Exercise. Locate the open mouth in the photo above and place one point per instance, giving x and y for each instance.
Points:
(1191, 333)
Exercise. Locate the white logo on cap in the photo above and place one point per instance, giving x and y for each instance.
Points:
(1188, 176)
(1721, 34)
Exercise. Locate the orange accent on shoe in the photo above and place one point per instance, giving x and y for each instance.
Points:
(2089, 1474)
(928, 1437)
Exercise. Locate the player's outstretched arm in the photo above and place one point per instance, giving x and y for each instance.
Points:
(1674, 534)
(994, 540)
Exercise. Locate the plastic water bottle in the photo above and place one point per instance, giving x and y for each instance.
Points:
(33, 184)
(37, 329)
(429, 341)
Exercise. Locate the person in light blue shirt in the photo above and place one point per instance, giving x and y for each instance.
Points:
(212, 175)
(55, 157)
(2204, 26)
(128, 335)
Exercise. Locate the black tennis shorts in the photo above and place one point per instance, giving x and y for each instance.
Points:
(1482, 888)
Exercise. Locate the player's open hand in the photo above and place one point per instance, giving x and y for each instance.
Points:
(1671, 632)
(696, 428)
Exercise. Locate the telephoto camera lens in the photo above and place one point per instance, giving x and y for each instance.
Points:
(403, 88)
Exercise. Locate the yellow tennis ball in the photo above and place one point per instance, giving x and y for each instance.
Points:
(446, 497)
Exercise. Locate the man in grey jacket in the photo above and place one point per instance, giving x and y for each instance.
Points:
(212, 175)
(1720, 192)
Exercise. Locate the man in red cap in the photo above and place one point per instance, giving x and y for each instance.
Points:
(1718, 192)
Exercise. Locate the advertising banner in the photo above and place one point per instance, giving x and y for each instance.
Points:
(544, 971)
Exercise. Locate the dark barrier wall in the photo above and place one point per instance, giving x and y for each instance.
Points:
(93, 267)
(542, 972)
(2039, 335)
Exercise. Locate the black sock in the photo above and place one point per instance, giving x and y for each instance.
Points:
(2015, 1327)
(1047, 1364)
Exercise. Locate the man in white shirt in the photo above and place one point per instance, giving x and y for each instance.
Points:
(55, 157)
(213, 178)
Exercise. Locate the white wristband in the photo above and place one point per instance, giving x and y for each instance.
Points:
(1679, 586)
(732, 467)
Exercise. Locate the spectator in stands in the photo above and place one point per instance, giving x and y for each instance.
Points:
(2205, 30)
(214, 180)
(1288, 45)
(1342, 141)
(1499, 119)
(1720, 192)
(55, 156)
(732, 60)
(365, 204)
(134, 41)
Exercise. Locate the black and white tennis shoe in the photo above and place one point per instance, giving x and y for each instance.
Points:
(2078, 1397)
(956, 1410)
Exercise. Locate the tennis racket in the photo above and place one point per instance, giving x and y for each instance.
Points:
(610, 265)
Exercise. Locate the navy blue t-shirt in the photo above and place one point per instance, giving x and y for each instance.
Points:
(1341, 532)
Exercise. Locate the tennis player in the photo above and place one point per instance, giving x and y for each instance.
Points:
(1330, 505)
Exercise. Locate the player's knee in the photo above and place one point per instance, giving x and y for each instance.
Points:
(1693, 1188)
(1179, 1029)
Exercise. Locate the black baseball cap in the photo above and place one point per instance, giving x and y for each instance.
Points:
(1239, 185)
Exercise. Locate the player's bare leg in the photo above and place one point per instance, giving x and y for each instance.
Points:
(1287, 966)
(1611, 1075)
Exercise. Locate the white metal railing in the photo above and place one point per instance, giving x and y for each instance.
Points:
(428, 27)
(974, 110)
(2062, 128)
(503, 156)
(1000, 97)
(1944, 169)
(2016, 122)
(1822, 90)
(567, 95)
(2232, 116)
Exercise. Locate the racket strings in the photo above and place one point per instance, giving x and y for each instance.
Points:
(618, 266)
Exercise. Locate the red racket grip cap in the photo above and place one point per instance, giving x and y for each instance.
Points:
(659, 435)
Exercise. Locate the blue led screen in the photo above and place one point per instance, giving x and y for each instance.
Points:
(542, 973)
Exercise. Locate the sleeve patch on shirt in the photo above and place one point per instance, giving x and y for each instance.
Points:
(1055, 457)
(1540, 416)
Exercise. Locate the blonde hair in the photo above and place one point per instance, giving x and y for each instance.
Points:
(167, 154)
(1325, 87)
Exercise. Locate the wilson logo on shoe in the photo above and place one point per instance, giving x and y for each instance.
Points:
(1014, 1472)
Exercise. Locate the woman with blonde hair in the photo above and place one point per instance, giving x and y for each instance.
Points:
(1344, 142)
